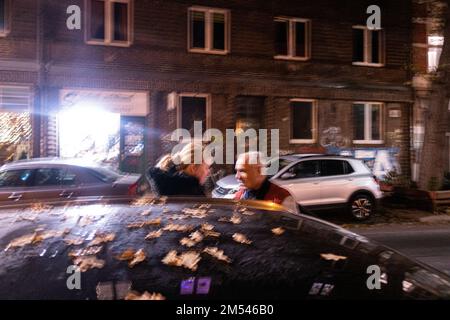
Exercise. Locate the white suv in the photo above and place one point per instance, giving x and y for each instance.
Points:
(321, 182)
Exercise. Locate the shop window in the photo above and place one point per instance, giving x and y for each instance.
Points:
(193, 108)
(367, 123)
(109, 22)
(4, 17)
(292, 38)
(368, 47)
(303, 121)
(208, 30)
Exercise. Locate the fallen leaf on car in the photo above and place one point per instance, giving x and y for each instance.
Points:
(133, 295)
(216, 253)
(193, 239)
(278, 231)
(126, 255)
(195, 212)
(146, 212)
(207, 227)
(88, 262)
(187, 260)
(135, 225)
(38, 236)
(153, 222)
(138, 257)
(102, 238)
(90, 251)
(177, 227)
(331, 256)
(39, 207)
(154, 234)
(239, 237)
(74, 242)
(235, 219)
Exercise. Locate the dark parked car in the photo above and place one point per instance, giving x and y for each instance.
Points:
(32, 180)
(197, 249)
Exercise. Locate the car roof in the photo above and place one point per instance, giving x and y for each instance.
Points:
(37, 162)
(266, 268)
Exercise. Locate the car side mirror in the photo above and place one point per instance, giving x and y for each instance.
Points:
(287, 176)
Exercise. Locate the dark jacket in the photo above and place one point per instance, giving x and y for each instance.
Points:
(173, 183)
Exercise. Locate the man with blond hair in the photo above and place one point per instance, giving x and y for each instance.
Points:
(250, 171)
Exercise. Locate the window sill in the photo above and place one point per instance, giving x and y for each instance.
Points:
(292, 58)
(368, 64)
(368, 141)
(108, 44)
(205, 51)
(302, 141)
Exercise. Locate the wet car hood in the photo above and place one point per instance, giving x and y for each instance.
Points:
(311, 259)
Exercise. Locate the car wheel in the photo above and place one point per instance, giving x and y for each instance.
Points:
(361, 207)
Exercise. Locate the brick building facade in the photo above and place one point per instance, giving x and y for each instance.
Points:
(310, 69)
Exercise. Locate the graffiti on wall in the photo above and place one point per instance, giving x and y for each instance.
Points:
(332, 137)
(380, 160)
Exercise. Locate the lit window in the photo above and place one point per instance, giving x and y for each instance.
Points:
(367, 123)
(109, 22)
(303, 121)
(4, 17)
(208, 30)
(292, 38)
(368, 46)
(435, 44)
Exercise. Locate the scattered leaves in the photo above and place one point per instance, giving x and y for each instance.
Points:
(187, 260)
(154, 234)
(239, 237)
(88, 262)
(102, 238)
(278, 231)
(216, 253)
(133, 295)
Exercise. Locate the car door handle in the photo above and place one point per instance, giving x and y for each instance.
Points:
(66, 194)
(15, 197)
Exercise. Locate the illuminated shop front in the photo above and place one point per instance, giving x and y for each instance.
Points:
(103, 126)
(15, 123)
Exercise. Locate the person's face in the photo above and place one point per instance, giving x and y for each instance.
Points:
(201, 172)
(248, 174)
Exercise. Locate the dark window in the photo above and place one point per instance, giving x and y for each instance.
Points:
(49, 177)
(375, 46)
(281, 37)
(16, 178)
(358, 45)
(358, 121)
(306, 169)
(193, 109)
(348, 168)
(300, 39)
(376, 121)
(2, 15)
(219, 31)
(332, 168)
(120, 21)
(198, 29)
(97, 20)
(302, 117)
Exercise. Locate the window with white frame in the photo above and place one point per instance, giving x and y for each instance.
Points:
(368, 46)
(109, 22)
(303, 121)
(208, 30)
(367, 122)
(191, 108)
(292, 38)
(435, 44)
(4, 17)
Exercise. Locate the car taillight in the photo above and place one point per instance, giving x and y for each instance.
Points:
(132, 189)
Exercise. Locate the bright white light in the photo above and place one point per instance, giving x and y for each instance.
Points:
(89, 132)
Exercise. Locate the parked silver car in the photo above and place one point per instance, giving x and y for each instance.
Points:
(321, 182)
(32, 180)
